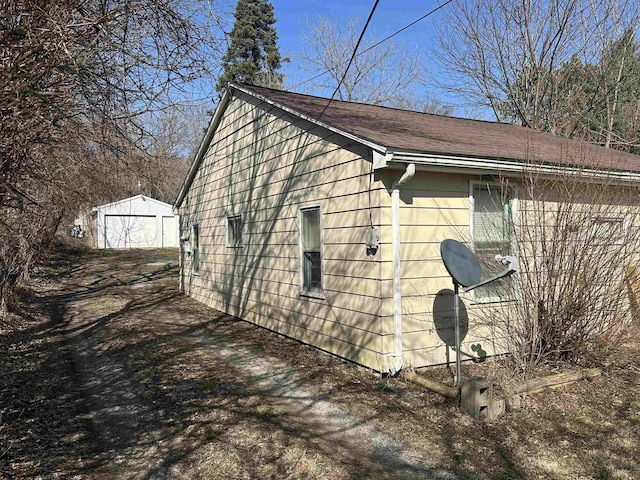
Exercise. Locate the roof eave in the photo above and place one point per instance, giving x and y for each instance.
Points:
(364, 141)
(140, 195)
(204, 145)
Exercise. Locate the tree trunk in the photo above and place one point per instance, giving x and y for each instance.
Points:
(611, 112)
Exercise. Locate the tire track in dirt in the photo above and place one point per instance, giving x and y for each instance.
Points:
(121, 416)
(320, 418)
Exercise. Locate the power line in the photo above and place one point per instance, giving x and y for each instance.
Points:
(353, 55)
(407, 26)
(386, 39)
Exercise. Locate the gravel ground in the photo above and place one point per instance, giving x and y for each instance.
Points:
(120, 408)
(109, 372)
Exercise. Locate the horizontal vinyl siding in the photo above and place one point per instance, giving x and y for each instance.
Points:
(433, 207)
(342, 341)
(267, 174)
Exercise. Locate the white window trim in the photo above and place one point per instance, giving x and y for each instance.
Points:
(514, 215)
(227, 239)
(319, 294)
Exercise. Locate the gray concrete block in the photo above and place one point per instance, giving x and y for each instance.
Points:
(476, 396)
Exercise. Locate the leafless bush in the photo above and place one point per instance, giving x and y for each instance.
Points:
(576, 238)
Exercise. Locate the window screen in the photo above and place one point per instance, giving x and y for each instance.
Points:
(491, 235)
(234, 231)
(311, 242)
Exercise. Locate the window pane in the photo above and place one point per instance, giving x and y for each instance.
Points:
(311, 229)
(608, 231)
(234, 231)
(312, 270)
(311, 250)
(229, 231)
(491, 236)
(196, 236)
(486, 254)
(237, 231)
(196, 248)
(488, 215)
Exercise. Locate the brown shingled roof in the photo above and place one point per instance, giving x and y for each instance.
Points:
(415, 132)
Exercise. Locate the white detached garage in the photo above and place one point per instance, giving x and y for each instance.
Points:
(136, 222)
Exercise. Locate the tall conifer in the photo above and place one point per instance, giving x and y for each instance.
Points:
(253, 56)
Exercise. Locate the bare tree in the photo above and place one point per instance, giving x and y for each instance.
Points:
(422, 102)
(68, 66)
(177, 132)
(76, 79)
(389, 74)
(577, 241)
(516, 57)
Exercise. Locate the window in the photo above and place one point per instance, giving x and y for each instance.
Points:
(234, 231)
(491, 234)
(311, 252)
(609, 231)
(195, 249)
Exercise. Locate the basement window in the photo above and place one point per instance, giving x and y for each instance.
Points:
(234, 231)
(311, 276)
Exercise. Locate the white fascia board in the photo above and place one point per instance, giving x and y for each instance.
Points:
(374, 146)
(156, 201)
(112, 204)
(204, 145)
(448, 163)
(129, 199)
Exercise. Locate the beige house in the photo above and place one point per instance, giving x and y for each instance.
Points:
(322, 220)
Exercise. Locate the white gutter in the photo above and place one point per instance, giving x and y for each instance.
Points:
(449, 163)
(397, 281)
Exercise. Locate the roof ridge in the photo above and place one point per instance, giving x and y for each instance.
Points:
(405, 110)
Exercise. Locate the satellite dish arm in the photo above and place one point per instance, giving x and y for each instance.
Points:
(512, 267)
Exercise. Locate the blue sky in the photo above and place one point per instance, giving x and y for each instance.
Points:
(294, 16)
(391, 15)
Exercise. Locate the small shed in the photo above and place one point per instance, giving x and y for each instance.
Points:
(136, 222)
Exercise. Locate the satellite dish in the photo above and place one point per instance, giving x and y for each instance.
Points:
(460, 262)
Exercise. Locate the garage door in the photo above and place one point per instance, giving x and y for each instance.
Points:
(130, 231)
(169, 234)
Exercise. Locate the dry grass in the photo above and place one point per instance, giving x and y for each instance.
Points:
(199, 412)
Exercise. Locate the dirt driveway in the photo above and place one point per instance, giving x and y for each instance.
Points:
(178, 390)
(114, 374)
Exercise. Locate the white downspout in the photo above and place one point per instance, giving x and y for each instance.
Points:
(397, 284)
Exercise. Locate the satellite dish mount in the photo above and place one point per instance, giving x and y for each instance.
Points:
(465, 271)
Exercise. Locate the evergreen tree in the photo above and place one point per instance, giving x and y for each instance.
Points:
(616, 118)
(598, 102)
(253, 56)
